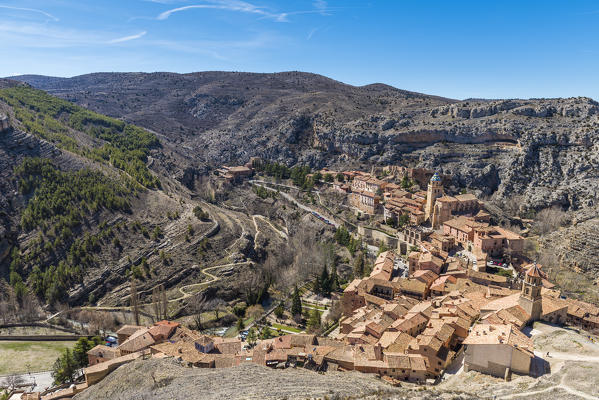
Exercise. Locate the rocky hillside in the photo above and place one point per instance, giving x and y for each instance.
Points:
(81, 214)
(545, 149)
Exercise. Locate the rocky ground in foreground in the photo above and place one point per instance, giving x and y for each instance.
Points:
(166, 379)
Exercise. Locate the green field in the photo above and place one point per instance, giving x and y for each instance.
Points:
(286, 327)
(29, 356)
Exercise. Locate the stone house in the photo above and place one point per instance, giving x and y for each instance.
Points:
(102, 353)
(498, 350)
(126, 331)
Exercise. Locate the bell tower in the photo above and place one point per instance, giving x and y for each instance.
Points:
(530, 296)
(435, 190)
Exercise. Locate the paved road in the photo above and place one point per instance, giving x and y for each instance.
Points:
(294, 201)
(567, 356)
(38, 381)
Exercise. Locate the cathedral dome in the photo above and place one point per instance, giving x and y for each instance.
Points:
(436, 177)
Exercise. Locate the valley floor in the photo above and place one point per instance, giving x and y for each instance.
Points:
(21, 357)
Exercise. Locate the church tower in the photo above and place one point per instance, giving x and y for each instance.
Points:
(435, 190)
(530, 297)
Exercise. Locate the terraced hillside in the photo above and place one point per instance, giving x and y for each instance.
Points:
(83, 213)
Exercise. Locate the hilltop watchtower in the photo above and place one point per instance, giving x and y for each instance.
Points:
(435, 190)
(530, 297)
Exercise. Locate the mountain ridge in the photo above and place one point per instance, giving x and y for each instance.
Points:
(523, 155)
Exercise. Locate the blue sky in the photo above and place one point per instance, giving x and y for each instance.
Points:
(458, 49)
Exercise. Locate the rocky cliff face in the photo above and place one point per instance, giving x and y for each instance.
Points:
(542, 149)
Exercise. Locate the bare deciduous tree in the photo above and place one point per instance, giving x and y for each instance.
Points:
(158, 302)
(134, 301)
(550, 219)
(198, 305)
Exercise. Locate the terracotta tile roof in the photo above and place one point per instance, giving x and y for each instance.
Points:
(228, 346)
(424, 307)
(550, 304)
(502, 303)
(104, 351)
(185, 350)
(369, 298)
(282, 342)
(138, 341)
(342, 354)
(388, 338)
(422, 341)
(365, 352)
(443, 332)
(409, 321)
(514, 315)
(417, 362)
(413, 286)
(108, 365)
(466, 197)
(400, 344)
(425, 275)
(500, 334)
(129, 329)
(185, 334)
(302, 339)
(353, 285)
(398, 360)
(161, 332)
(447, 199)
(535, 271)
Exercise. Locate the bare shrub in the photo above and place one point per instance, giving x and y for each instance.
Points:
(550, 219)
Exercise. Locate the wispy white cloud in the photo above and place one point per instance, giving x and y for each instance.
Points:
(218, 49)
(31, 10)
(311, 33)
(128, 38)
(229, 5)
(321, 6)
(43, 36)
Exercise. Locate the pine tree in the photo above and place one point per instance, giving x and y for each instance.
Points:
(314, 320)
(64, 368)
(359, 266)
(280, 310)
(252, 336)
(334, 278)
(240, 325)
(296, 303)
(317, 285)
(325, 282)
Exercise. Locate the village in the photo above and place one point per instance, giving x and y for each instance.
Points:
(448, 286)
